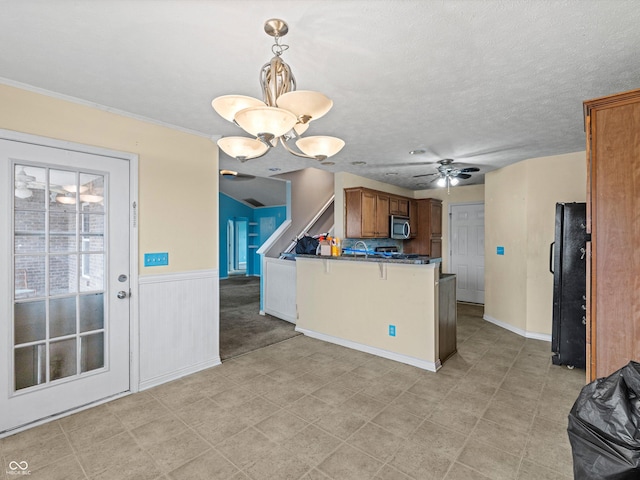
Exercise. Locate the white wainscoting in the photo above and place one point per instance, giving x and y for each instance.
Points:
(279, 280)
(179, 325)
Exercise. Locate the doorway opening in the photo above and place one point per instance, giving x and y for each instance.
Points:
(237, 246)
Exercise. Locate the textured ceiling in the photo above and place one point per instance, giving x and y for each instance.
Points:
(487, 83)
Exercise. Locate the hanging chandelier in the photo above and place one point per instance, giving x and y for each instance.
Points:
(281, 117)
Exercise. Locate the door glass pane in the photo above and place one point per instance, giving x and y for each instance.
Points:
(29, 243)
(30, 366)
(63, 186)
(91, 312)
(92, 272)
(30, 188)
(92, 225)
(63, 274)
(92, 192)
(30, 322)
(92, 352)
(62, 317)
(62, 232)
(62, 243)
(29, 231)
(62, 359)
(29, 276)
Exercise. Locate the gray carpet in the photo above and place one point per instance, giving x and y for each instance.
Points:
(242, 328)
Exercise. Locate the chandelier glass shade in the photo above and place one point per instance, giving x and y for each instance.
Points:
(320, 146)
(228, 105)
(305, 104)
(243, 148)
(282, 117)
(271, 121)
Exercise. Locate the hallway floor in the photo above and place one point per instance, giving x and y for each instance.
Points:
(242, 328)
(309, 410)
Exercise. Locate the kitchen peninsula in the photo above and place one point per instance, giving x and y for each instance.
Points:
(387, 307)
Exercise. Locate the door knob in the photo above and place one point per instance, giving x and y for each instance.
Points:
(122, 294)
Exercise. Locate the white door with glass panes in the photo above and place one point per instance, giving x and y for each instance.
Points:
(64, 296)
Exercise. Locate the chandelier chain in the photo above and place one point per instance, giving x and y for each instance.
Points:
(278, 48)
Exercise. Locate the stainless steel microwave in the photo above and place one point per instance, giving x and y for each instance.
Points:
(400, 228)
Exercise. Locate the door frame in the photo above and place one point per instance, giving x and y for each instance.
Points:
(134, 329)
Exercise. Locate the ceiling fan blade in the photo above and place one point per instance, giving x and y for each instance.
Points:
(469, 169)
(426, 174)
(463, 176)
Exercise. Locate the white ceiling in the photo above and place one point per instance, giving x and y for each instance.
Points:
(487, 83)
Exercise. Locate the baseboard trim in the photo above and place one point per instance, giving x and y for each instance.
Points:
(416, 362)
(155, 381)
(523, 333)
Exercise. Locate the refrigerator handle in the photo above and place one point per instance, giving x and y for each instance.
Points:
(551, 257)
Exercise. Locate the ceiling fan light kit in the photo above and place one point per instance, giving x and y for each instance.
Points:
(282, 116)
(448, 175)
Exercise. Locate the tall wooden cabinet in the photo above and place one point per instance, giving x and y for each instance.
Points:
(613, 220)
(428, 239)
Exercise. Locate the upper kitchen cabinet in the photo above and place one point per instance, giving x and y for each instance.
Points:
(613, 220)
(367, 213)
(399, 206)
(428, 240)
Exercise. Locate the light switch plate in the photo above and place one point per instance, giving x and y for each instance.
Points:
(156, 259)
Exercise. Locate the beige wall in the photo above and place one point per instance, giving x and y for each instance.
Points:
(520, 215)
(505, 225)
(178, 184)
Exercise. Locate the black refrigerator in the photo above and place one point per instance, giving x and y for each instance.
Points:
(568, 264)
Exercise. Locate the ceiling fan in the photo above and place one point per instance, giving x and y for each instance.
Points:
(449, 175)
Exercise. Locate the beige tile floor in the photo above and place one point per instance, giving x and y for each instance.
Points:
(309, 410)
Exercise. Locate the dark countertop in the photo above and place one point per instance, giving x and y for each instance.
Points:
(421, 260)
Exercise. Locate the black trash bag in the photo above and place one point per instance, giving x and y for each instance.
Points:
(603, 427)
(307, 245)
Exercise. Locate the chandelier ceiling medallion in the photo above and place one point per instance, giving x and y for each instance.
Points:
(283, 115)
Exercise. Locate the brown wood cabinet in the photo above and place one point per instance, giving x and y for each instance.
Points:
(413, 218)
(428, 240)
(399, 206)
(366, 213)
(613, 220)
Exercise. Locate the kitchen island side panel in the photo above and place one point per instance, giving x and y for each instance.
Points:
(359, 301)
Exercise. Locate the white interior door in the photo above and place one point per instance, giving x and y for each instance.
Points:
(467, 251)
(64, 300)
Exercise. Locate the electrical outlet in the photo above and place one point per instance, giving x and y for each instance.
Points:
(392, 330)
(156, 259)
